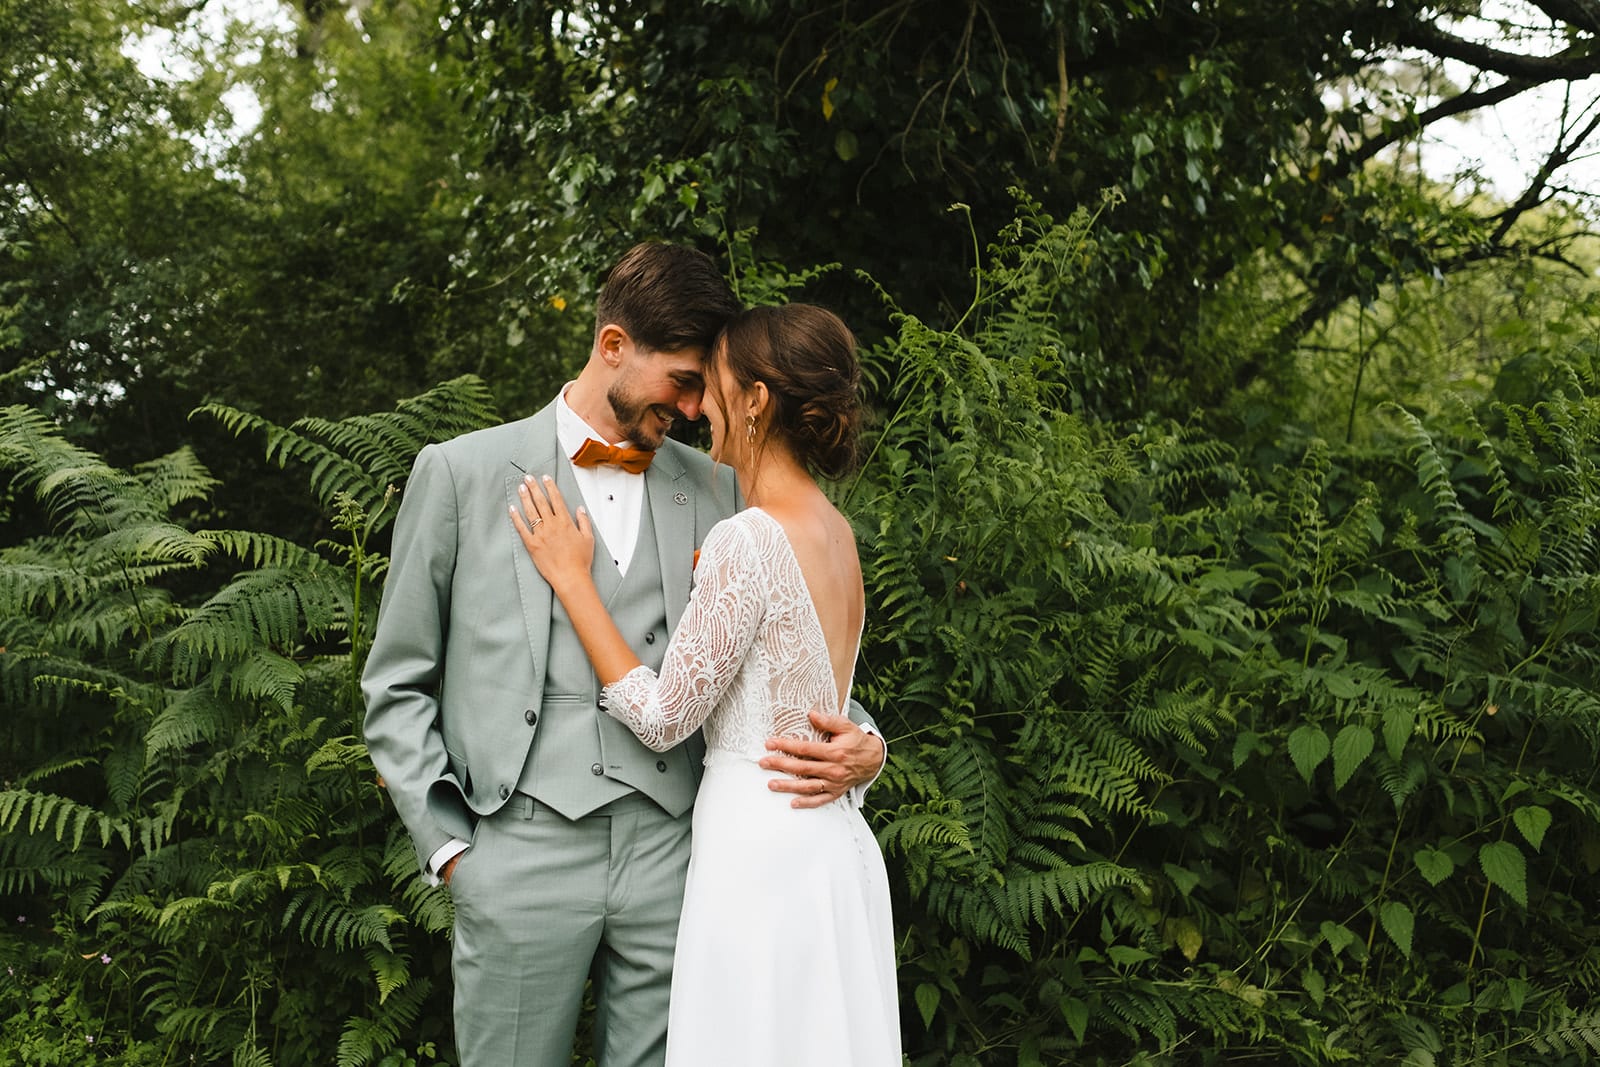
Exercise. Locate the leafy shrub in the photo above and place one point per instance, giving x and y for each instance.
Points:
(1198, 756)
(1206, 756)
(187, 797)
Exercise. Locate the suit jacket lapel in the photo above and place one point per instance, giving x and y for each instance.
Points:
(672, 511)
(536, 455)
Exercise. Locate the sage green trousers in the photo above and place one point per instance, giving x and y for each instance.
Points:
(543, 902)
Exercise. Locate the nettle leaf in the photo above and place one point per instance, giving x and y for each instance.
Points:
(1186, 935)
(1504, 865)
(1398, 724)
(1350, 749)
(1243, 745)
(1183, 879)
(1435, 865)
(1398, 923)
(1344, 686)
(1338, 936)
(1308, 747)
(927, 995)
(1314, 984)
(1533, 821)
(1127, 955)
(1076, 1012)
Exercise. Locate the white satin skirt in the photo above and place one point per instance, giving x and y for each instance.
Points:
(786, 947)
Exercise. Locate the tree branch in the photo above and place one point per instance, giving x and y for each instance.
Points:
(1584, 14)
(1570, 64)
(1450, 108)
(1063, 94)
(1535, 193)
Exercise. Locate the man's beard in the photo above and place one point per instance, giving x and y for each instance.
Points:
(638, 422)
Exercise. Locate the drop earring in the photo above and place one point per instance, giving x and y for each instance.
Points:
(750, 428)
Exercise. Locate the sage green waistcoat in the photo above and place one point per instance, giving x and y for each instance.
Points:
(582, 758)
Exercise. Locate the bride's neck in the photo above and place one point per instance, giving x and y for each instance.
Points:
(776, 477)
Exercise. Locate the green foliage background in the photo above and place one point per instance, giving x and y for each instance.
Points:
(1197, 756)
(1232, 568)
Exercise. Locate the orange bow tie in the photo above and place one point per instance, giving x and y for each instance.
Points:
(594, 453)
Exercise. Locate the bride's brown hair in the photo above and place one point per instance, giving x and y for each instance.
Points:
(806, 356)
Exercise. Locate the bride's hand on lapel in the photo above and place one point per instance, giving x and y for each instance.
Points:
(562, 549)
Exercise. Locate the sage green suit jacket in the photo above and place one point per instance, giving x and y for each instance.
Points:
(455, 676)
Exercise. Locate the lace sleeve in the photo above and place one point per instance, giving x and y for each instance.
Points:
(706, 651)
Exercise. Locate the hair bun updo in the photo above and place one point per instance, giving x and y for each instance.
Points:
(807, 357)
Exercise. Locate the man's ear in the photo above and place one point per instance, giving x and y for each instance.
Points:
(613, 342)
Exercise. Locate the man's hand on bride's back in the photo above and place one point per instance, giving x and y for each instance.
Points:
(824, 771)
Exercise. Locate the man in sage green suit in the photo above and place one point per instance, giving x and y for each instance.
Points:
(564, 841)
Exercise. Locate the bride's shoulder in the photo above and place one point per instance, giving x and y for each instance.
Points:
(745, 537)
(744, 528)
(748, 522)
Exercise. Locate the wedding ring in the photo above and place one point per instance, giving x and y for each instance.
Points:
(534, 525)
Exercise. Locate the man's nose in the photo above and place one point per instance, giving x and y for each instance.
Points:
(689, 402)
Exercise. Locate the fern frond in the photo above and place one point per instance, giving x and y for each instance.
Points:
(1578, 1033)
(916, 828)
(266, 675)
(1039, 897)
(364, 454)
(263, 551)
(250, 1054)
(191, 716)
(36, 863)
(30, 812)
(429, 906)
(1433, 475)
(327, 921)
(366, 1039)
(270, 607)
(176, 478)
(1143, 1017)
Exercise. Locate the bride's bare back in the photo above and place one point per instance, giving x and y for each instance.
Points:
(824, 546)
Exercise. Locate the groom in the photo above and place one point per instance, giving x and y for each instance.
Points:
(564, 841)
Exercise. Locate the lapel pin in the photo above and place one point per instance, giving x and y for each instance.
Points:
(680, 498)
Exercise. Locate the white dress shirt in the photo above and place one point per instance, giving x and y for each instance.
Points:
(613, 497)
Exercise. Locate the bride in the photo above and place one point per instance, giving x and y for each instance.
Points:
(785, 949)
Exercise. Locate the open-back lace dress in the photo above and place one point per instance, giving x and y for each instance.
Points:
(786, 947)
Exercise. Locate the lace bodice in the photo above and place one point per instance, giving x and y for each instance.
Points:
(748, 659)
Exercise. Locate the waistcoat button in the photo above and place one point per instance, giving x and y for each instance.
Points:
(531, 716)
(661, 765)
(597, 770)
(505, 792)
(650, 638)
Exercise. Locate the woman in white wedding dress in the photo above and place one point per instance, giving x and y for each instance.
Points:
(785, 950)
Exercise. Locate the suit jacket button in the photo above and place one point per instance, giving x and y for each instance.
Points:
(650, 638)
(661, 765)
(531, 716)
(505, 792)
(597, 770)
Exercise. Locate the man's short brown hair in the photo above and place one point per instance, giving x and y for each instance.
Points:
(668, 297)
